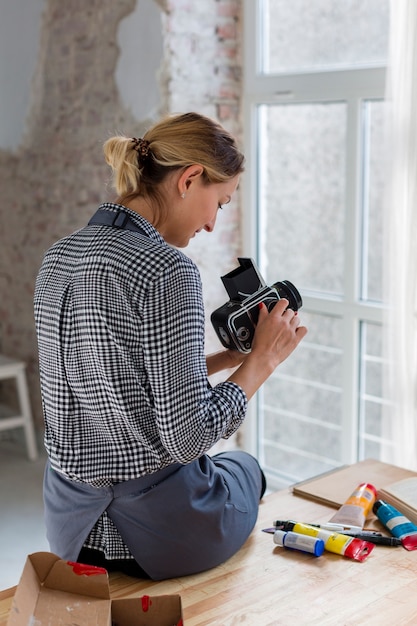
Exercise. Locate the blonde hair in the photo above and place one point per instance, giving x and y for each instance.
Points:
(139, 166)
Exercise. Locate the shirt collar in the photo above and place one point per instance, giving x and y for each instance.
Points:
(143, 223)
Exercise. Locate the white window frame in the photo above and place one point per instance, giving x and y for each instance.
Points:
(351, 86)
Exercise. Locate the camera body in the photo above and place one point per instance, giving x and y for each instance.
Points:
(235, 321)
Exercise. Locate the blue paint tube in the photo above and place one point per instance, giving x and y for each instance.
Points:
(398, 525)
(296, 541)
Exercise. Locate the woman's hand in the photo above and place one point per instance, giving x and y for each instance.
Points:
(278, 332)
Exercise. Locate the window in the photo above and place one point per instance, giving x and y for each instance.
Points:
(314, 119)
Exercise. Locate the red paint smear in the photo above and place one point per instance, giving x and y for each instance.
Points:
(180, 623)
(146, 603)
(86, 570)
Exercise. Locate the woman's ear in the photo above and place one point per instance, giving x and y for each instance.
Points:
(188, 176)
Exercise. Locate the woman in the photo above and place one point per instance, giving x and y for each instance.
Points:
(129, 412)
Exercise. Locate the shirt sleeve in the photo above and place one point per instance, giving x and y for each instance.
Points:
(191, 415)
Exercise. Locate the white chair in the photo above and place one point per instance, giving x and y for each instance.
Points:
(14, 369)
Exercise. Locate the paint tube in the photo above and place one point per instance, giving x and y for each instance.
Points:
(357, 507)
(296, 541)
(398, 525)
(350, 547)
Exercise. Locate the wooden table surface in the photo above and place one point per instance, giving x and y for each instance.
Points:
(268, 585)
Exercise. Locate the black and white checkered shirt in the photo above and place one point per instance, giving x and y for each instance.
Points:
(120, 324)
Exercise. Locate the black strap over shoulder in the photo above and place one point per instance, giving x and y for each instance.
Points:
(118, 219)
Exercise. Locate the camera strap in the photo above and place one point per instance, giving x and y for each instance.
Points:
(118, 219)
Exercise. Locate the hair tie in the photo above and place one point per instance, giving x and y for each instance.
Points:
(142, 148)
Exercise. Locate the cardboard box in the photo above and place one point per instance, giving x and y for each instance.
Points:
(54, 592)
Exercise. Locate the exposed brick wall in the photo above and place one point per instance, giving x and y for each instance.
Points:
(203, 56)
(56, 179)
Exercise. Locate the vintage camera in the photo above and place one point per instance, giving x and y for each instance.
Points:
(235, 321)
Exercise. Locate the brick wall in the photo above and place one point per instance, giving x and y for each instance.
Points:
(55, 180)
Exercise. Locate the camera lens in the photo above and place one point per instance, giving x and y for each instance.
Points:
(287, 290)
(242, 333)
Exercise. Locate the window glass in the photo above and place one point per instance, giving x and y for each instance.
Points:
(318, 140)
(373, 431)
(302, 173)
(373, 193)
(301, 404)
(306, 35)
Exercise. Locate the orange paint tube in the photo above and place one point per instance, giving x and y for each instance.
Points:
(357, 507)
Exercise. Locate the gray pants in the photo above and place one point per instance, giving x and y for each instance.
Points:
(178, 521)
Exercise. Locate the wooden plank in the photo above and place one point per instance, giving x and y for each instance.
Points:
(6, 598)
(267, 585)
